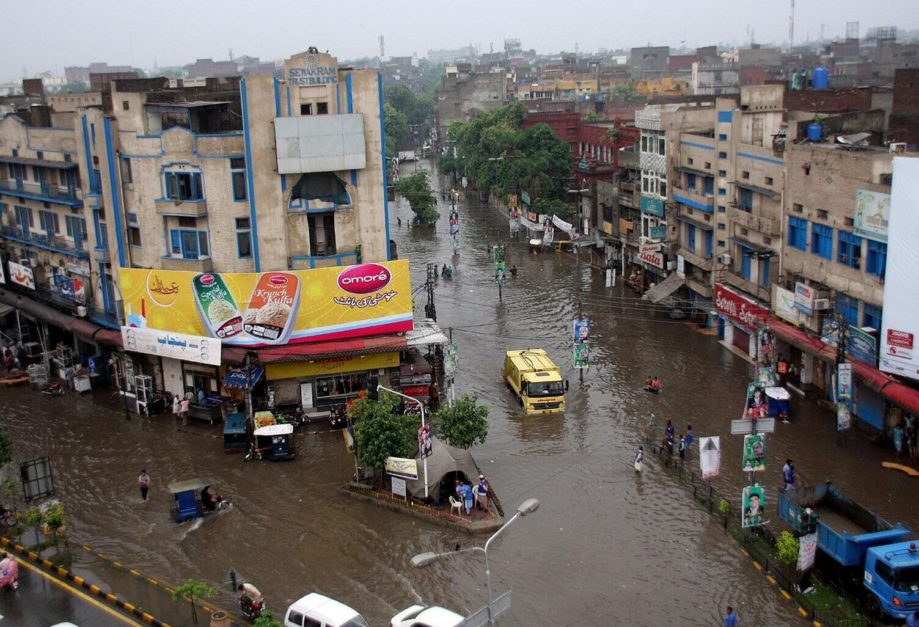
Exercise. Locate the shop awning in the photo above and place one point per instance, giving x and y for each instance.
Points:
(5, 309)
(80, 326)
(796, 337)
(425, 333)
(236, 377)
(318, 350)
(665, 288)
(872, 377)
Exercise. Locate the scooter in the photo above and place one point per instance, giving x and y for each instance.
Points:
(250, 609)
(339, 417)
(53, 389)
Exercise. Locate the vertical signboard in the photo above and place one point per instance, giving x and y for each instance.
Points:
(710, 456)
(900, 324)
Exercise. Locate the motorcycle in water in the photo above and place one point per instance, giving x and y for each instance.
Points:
(250, 608)
(53, 389)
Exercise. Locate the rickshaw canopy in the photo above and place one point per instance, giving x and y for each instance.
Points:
(189, 484)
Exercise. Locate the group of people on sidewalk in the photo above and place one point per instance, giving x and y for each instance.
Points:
(469, 495)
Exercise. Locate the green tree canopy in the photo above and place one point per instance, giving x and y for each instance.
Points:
(381, 432)
(416, 109)
(6, 446)
(417, 189)
(396, 128)
(463, 425)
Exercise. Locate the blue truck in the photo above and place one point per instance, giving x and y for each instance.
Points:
(860, 545)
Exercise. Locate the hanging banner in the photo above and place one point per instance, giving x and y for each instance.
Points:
(581, 355)
(610, 277)
(754, 506)
(844, 381)
(257, 309)
(710, 456)
(754, 453)
(784, 304)
(651, 254)
(843, 417)
(581, 329)
(807, 551)
(564, 226)
(529, 224)
(425, 443)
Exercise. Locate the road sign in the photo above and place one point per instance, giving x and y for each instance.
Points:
(710, 456)
(498, 607)
(744, 426)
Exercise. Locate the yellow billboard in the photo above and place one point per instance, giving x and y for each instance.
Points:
(271, 308)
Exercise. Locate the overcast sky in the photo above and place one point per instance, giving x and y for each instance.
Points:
(39, 35)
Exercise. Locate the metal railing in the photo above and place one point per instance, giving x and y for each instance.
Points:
(48, 192)
(48, 242)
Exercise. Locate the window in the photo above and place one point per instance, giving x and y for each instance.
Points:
(877, 258)
(722, 191)
(822, 241)
(133, 229)
(722, 137)
(306, 109)
(183, 185)
(797, 233)
(721, 243)
(188, 244)
(871, 316)
(709, 186)
(745, 175)
(722, 209)
(243, 237)
(722, 226)
(797, 208)
(322, 234)
(689, 160)
(746, 200)
(708, 165)
(722, 155)
(76, 229)
(125, 105)
(238, 175)
(661, 146)
(691, 182)
(49, 223)
(746, 264)
(884, 572)
(722, 172)
(849, 250)
(764, 272)
(744, 232)
(849, 221)
(24, 218)
(322, 108)
(691, 237)
(848, 307)
(769, 180)
(822, 214)
(708, 243)
(341, 385)
(127, 175)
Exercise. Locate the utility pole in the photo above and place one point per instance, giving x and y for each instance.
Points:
(450, 364)
(842, 393)
(429, 310)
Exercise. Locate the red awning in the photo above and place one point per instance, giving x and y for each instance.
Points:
(321, 350)
(80, 326)
(904, 396)
(796, 337)
(872, 377)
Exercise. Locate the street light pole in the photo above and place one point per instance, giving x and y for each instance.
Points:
(424, 458)
(423, 559)
(577, 256)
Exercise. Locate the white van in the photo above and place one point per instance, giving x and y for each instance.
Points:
(316, 610)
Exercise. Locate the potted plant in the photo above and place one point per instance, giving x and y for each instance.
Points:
(787, 547)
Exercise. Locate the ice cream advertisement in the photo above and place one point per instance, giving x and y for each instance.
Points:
(271, 308)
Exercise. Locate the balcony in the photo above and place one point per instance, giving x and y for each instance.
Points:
(690, 198)
(201, 264)
(194, 208)
(766, 226)
(41, 193)
(306, 262)
(43, 241)
(700, 262)
(705, 291)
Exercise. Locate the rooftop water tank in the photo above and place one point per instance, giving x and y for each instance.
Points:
(821, 78)
(814, 132)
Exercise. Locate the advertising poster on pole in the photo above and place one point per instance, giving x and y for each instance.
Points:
(807, 551)
(581, 330)
(710, 456)
(425, 444)
(843, 417)
(754, 505)
(754, 453)
(581, 355)
(844, 381)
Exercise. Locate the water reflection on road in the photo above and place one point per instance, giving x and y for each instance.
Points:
(605, 547)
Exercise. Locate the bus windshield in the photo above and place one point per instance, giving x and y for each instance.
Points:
(547, 388)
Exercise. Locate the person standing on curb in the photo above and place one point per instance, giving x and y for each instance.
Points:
(183, 410)
(639, 459)
(176, 405)
(143, 482)
(730, 619)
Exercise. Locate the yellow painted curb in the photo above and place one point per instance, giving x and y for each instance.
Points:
(786, 595)
(802, 611)
(770, 579)
(757, 565)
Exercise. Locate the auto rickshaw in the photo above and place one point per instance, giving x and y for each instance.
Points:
(272, 442)
(189, 496)
(778, 401)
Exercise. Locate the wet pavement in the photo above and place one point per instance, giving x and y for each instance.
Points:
(605, 546)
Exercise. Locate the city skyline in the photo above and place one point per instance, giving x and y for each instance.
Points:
(36, 43)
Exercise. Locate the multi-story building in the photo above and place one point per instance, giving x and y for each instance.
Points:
(227, 178)
(715, 79)
(464, 92)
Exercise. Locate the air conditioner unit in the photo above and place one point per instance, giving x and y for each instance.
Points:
(724, 259)
(822, 303)
(81, 311)
(898, 147)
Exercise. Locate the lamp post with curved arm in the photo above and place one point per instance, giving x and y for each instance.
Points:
(423, 559)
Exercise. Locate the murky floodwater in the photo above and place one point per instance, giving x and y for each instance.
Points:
(604, 547)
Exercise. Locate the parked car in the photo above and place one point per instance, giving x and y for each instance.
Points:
(317, 610)
(421, 616)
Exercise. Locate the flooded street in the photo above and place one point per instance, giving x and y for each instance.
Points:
(605, 546)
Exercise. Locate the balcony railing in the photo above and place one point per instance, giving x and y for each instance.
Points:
(36, 191)
(202, 264)
(766, 226)
(194, 208)
(74, 248)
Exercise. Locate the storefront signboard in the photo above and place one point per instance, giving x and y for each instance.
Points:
(268, 308)
(198, 349)
(804, 298)
(734, 306)
(21, 275)
(651, 254)
(402, 467)
(317, 367)
(860, 345)
(784, 301)
(872, 210)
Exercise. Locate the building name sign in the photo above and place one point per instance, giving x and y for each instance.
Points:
(202, 350)
(652, 255)
(315, 75)
(738, 308)
(804, 298)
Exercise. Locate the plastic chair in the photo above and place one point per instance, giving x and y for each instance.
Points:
(456, 505)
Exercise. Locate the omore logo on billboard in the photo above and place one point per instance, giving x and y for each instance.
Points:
(364, 279)
(271, 308)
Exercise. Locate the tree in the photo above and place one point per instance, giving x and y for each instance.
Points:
(189, 591)
(417, 189)
(464, 424)
(396, 128)
(52, 518)
(381, 432)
